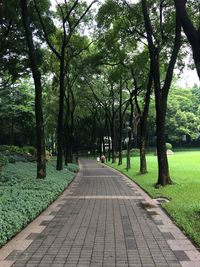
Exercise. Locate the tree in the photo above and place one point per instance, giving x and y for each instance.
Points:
(156, 42)
(76, 55)
(182, 115)
(70, 16)
(12, 66)
(123, 24)
(41, 159)
(17, 117)
(191, 30)
(143, 116)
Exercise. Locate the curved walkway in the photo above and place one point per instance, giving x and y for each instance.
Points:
(102, 219)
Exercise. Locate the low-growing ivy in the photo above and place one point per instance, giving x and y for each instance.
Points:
(23, 197)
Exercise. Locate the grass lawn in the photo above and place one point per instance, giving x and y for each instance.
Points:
(184, 194)
(23, 197)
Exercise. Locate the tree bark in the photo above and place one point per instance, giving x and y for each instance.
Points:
(112, 129)
(163, 169)
(120, 125)
(143, 126)
(66, 37)
(128, 159)
(161, 93)
(103, 145)
(143, 162)
(108, 134)
(52, 145)
(59, 165)
(66, 149)
(109, 156)
(41, 160)
(192, 34)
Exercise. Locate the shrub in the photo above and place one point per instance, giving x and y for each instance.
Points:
(16, 154)
(11, 149)
(23, 197)
(135, 152)
(9, 178)
(3, 161)
(72, 167)
(11, 159)
(168, 146)
(30, 149)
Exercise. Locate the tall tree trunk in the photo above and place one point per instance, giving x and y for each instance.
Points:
(72, 141)
(120, 145)
(52, 145)
(161, 92)
(59, 165)
(65, 151)
(113, 140)
(143, 126)
(143, 162)
(128, 163)
(120, 125)
(128, 156)
(103, 145)
(68, 29)
(71, 149)
(41, 160)
(94, 139)
(68, 143)
(109, 149)
(109, 145)
(105, 133)
(163, 169)
(99, 146)
(65, 141)
(191, 32)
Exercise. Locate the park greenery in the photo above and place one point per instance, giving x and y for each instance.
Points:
(91, 77)
(183, 195)
(22, 197)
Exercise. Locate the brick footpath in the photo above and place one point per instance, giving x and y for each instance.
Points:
(103, 219)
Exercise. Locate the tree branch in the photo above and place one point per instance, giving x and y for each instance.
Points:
(187, 25)
(176, 48)
(83, 15)
(45, 32)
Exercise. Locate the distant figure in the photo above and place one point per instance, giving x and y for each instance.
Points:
(98, 159)
(103, 158)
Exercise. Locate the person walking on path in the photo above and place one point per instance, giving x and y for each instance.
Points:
(103, 159)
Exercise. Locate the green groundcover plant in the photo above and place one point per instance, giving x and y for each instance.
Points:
(23, 197)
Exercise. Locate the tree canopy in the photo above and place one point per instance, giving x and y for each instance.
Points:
(76, 76)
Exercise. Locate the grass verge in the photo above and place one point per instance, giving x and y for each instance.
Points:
(184, 194)
(23, 197)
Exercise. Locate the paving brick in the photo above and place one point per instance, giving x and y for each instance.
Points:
(102, 222)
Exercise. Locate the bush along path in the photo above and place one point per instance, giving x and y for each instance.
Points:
(23, 197)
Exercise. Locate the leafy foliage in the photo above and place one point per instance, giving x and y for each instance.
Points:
(22, 197)
(3, 161)
(182, 114)
(14, 153)
(168, 146)
(29, 149)
(17, 113)
(133, 152)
